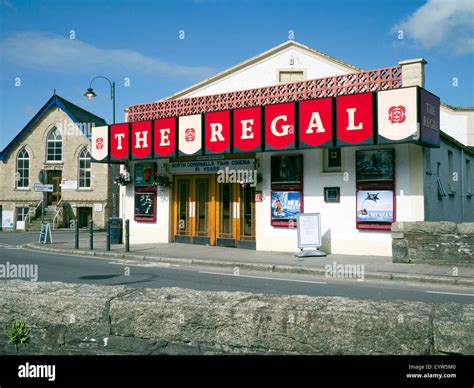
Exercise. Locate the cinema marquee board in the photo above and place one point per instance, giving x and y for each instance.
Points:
(391, 116)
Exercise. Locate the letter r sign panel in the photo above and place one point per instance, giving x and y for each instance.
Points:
(141, 140)
(280, 127)
(119, 141)
(190, 135)
(355, 119)
(165, 137)
(217, 132)
(247, 130)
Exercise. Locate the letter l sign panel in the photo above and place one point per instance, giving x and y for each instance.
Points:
(355, 119)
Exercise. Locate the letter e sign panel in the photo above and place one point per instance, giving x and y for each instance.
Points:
(397, 115)
(190, 135)
(315, 123)
(247, 130)
(217, 132)
(355, 119)
(100, 143)
(165, 137)
(280, 127)
(119, 141)
(141, 140)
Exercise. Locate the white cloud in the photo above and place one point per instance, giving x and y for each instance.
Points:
(56, 53)
(448, 23)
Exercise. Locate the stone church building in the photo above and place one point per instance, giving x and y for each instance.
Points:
(54, 147)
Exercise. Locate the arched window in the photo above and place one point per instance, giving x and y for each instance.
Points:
(54, 146)
(23, 169)
(84, 169)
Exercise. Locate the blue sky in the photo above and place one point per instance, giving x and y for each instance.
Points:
(140, 40)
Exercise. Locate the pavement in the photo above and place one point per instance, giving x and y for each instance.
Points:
(375, 267)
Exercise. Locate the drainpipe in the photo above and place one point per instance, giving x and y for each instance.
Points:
(463, 189)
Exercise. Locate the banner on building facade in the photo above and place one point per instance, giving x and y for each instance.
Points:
(405, 115)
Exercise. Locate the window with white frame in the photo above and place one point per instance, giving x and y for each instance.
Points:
(290, 76)
(23, 169)
(84, 169)
(55, 146)
(21, 213)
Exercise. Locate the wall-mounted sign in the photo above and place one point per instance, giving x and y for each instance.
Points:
(145, 206)
(40, 188)
(142, 140)
(280, 132)
(355, 119)
(375, 206)
(332, 194)
(98, 207)
(190, 135)
(119, 141)
(211, 166)
(100, 144)
(316, 123)
(375, 165)
(144, 174)
(285, 207)
(286, 126)
(7, 219)
(67, 184)
(287, 172)
(247, 130)
(217, 132)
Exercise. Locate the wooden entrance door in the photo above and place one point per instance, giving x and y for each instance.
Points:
(54, 178)
(194, 209)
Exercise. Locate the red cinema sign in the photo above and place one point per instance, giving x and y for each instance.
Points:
(165, 138)
(280, 127)
(355, 119)
(141, 140)
(119, 141)
(247, 130)
(217, 132)
(316, 123)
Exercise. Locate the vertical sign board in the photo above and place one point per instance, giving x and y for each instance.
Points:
(355, 119)
(429, 118)
(45, 234)
(397, 115)
(316, 123)
(280, 127)
(217, 132)
(190, 135)
(247, 130)
(119, 142)
(309, 230)
(100, 144)
(142, 140)
(165, 138)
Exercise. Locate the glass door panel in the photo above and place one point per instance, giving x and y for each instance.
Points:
(226, 211)
(247, 213)
(183, 207)
(202, 207)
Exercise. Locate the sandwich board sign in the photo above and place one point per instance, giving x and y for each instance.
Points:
(309, 234)
(45, 234)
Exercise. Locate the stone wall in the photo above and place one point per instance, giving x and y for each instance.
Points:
(433, 242)
(90, 319)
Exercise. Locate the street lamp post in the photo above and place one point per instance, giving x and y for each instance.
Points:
(90, 94)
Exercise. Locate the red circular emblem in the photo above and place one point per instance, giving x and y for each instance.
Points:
(189, 134)
(99, 143)
(396, 114)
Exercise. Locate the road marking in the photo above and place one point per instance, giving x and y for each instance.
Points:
(449, 293)
(135, 264)
(261, 277)
(7, 246)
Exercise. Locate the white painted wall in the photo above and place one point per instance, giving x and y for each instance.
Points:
(338, 220)
(265, 73)
(147, 232)
(455, 124)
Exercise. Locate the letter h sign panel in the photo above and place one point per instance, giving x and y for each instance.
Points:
(119, 142)
(141, 140)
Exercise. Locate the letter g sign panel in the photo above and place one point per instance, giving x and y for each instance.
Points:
(119, 141)
(141, 140)
(280, 127)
